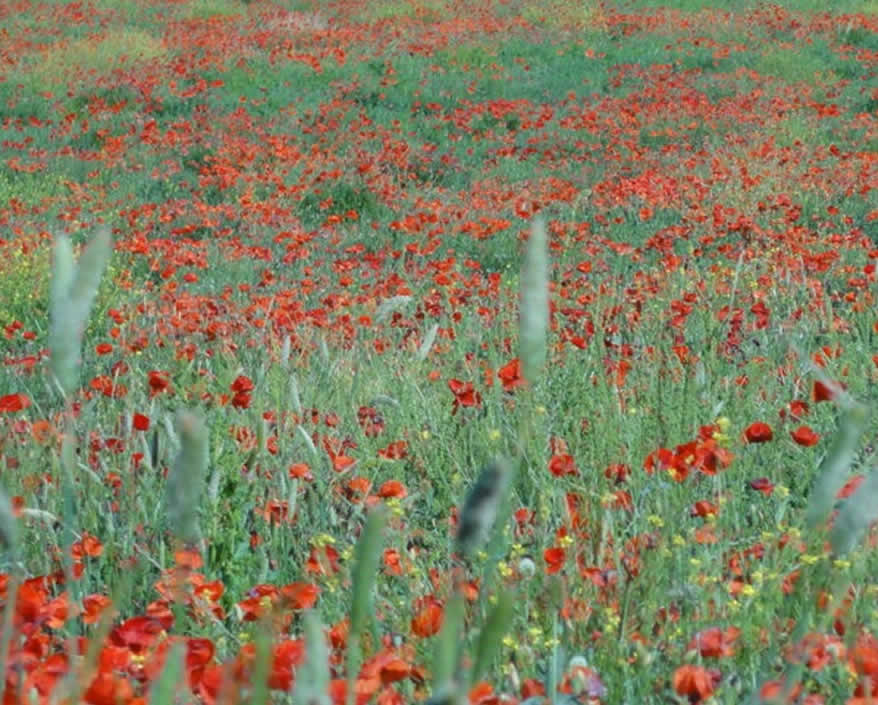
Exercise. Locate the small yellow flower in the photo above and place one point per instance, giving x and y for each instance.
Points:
(724, 423)
(656, 520)
(494, 434)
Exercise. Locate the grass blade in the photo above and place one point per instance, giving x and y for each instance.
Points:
(367, 557)
(186, 477)
(429, 339)
(534, 304)
(836, 464)
(856, 515)
(312, 676)
(482, 505)
(448, 641)
(491, 636)
(164, 690)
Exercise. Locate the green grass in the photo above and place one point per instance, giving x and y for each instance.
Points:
(325, 260)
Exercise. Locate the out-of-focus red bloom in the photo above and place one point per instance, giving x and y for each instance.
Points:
(805, 436)
(562, 464)
(758, 432)
(394, 451)
(715, 642)
(11, 403)
(322, 561)
(763, 485)
(863, 658)
(137, 633)
(796, 409)
(826, 392)
(695, 682)
(771, 691)
(93, 606)
(851, 486)
(427, 618)
(299, 595)
(702, 508)
(618, 472)
(242, 386)
(109, 689)
(391, 489)
(554, 558)
(159, 381)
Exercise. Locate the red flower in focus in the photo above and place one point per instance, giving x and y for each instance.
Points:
(464, 395)
(11, 403)
(758, 432)
(805, 436)
(510, 375)
(695, 682)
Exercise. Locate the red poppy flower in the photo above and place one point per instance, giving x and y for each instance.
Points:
(758, 432)
(554, 558)
(715, 642)
(702, 508)
(13, 402)
(763, 485)
(695, 682)
(428, 617)
(826, 392)
(510, 375)
(562, 464)
(391, 489)
(805, 436)
(464, 394)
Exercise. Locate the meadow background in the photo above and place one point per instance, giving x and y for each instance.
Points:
(312, 452)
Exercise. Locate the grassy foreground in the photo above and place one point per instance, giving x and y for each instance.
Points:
(394, 352)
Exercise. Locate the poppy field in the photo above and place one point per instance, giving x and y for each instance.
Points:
(438, 352)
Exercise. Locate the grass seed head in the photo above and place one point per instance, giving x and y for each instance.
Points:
(482, 505)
